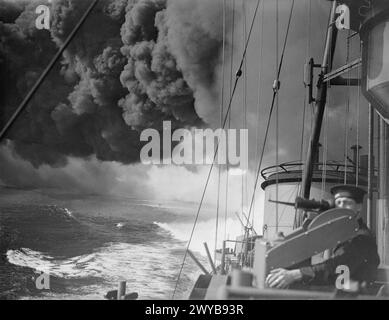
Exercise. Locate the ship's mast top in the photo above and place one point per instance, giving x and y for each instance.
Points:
(321, 99)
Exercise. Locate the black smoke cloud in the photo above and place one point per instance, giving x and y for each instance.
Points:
(10, 10)
(132, 65)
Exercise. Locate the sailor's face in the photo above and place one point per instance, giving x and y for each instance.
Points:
(346, 203)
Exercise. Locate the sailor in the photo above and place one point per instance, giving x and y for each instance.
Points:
(359, 254)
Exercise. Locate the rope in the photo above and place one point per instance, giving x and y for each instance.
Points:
(259, 84)
(325, 138)
(325, 154)
(221, 121)
(271, 108)
(249, 36)
(244, 176)
(277, 114)
(358, 119)
(238, 74)
(347, 122)
(229, 116)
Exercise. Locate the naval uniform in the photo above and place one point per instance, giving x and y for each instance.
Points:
(358, 254)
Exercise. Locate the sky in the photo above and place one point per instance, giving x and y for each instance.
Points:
(137, 63)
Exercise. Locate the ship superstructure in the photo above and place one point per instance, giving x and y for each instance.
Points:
(295, 228)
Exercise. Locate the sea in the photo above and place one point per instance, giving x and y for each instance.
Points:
(88, 243)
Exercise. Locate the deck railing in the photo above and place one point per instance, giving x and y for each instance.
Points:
(330, 166)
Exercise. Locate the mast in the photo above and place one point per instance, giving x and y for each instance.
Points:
(321, 99)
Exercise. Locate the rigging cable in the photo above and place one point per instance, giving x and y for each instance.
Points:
(325, 138)
(307, 54)
(244, 176)
(221, 121)
(325, 143)
(358, 117)
(229, 117)
(259, 84)
(237, 77)
(277, 114)
(50, 66)
(325, 150)
(275, 92)
(346, 121)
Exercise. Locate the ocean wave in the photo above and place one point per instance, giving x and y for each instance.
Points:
(150, 270)
(68, 268)
(133, 225)
(38, 212)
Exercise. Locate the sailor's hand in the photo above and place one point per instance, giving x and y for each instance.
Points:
(281, 278)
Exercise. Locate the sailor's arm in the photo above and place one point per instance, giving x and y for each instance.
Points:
(359, 251)
(318, 273)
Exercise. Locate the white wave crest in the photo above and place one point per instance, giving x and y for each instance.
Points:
(150, 270)
(68, 212)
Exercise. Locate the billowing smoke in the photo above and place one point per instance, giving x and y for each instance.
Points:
(78, 176)
(173, 50)
(136, 63)
(195, 38)
(10, 10)
(132, 65)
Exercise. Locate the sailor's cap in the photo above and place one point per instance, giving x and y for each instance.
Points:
(349, 191)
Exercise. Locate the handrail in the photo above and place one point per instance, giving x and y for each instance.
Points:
(286, 167)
